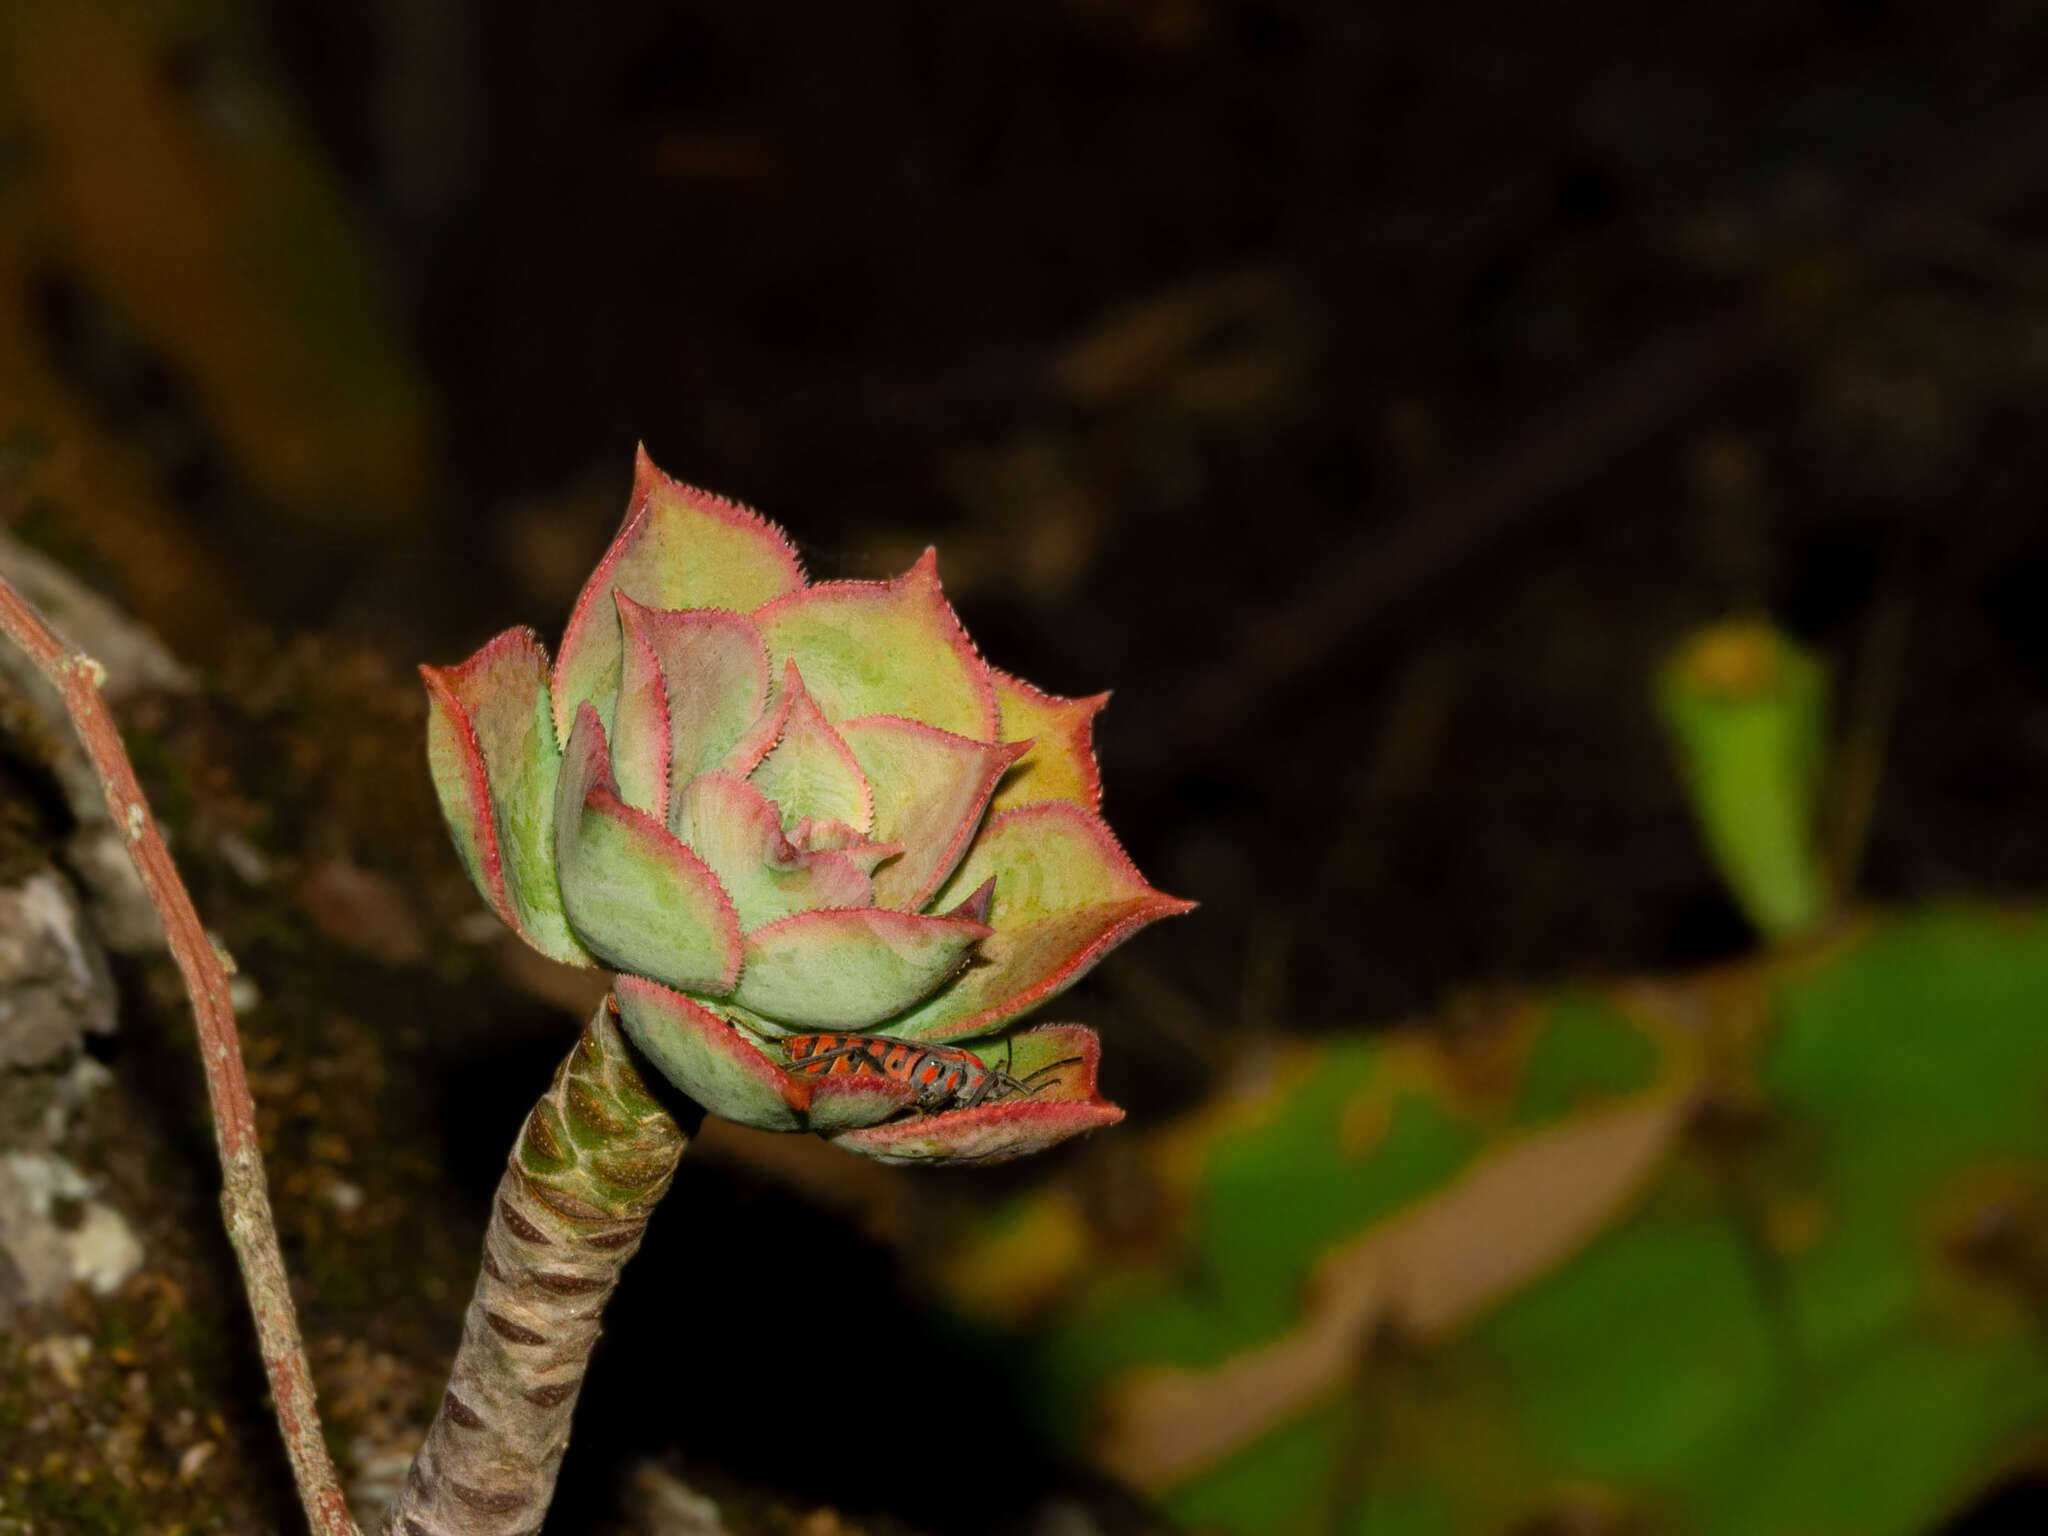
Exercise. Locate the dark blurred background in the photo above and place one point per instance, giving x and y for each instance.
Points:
(1371, 395)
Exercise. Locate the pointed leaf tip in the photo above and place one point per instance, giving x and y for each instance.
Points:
(930, 790)
(634, 894)
(1066, 894)
(679, 548)
(975, 907)
(885, 648)
(1060, 764)
(811, 773)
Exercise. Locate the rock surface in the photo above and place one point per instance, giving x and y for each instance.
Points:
(55, 988)
(136, 663)
(53, 1232)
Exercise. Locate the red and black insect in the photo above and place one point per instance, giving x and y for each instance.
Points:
(945, 1076)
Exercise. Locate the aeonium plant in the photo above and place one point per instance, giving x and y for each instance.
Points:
(833, 859)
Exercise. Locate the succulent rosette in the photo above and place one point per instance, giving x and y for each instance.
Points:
(779, 809)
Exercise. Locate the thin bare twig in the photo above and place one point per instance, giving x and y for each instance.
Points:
(245, 1199)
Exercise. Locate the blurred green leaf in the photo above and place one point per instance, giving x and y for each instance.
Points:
(1747, 711)
(1759, 1250)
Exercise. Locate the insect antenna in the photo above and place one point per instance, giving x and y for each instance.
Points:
(1034, 1081)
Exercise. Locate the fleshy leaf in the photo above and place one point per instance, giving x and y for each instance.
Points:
(733, 828)
(714, 673)
(759, 739)
(640, 732)
(680, 548)
(757, 1024)
(848, 1101)
(885, 648)
(492, 751)
(930, 788)
(845, 969)
(1748, 711)
(712, 1060)
(977, 902)
(1066, 1104)
(811, 772)
(1061, 762)
(456, 761)
(1065, 896)
(634, 894)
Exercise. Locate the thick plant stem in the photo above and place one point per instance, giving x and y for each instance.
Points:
(595, 1155)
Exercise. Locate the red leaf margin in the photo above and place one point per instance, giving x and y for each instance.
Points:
(648, 477)
(923, 579)
(997, 1133)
